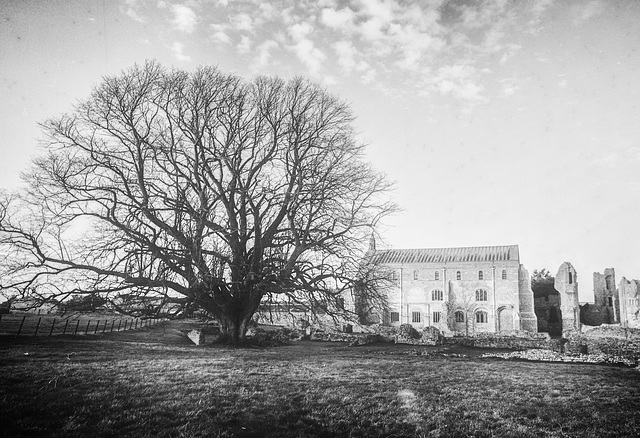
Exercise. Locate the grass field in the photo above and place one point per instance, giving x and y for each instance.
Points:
(153, 382)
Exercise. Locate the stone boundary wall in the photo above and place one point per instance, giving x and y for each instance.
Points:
(611, 340)
(512, 341)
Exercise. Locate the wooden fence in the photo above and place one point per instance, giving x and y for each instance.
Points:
(35, 325)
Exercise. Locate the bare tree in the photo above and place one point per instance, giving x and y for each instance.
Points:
(197, 189)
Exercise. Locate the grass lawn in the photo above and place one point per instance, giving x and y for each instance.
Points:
(153, 382)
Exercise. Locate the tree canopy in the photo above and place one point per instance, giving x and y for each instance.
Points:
(197, 189)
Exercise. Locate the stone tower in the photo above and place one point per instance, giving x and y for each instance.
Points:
(528, 319)
(606, 295)
(566, 283)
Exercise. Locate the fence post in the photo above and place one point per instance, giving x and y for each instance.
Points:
(87, 329)
(52, 325)
(119, 323)
(21, 324)
(65, 327)
(96, 330)
(105, 325)
(77, 325)
(136, 323)
(37, 326)
(113, 321)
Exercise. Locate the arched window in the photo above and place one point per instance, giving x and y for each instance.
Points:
(459, 316)
(481, 295)
(415, 275)
(436, 295)
(482, 317)
(480, 275)
(570, 278)
(437, 276)
(458, 275)
(504, 274)
(393, 276)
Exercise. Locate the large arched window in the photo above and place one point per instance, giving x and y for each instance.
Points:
(458, 275)
(436, 295)
(481, 295)
(437, 276)
(481, 317)
(480, 275)
(459, 316)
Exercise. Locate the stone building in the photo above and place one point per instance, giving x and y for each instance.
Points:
(605, 296)
(473, 289)
(629, 292)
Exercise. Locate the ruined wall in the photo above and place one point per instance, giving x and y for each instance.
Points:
(629, 292)
(606, 296)
(566, 283)
(528, 319)
(547, 311)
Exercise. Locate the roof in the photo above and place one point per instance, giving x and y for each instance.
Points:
(448, 255)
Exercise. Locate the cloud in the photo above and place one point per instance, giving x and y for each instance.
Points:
(338, 19)
(382, 11)
(244, 46)
(509, 86)
(184, 18)
(458, 80)
(242, 22)
(299, 31)
(264, 53)
(130, 9)
(177, 49)
(312, 57)
(586, 12)
(219, 34)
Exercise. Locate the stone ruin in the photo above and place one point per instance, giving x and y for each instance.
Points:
(611, 305)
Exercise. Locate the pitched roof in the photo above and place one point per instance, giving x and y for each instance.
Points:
(448, 255)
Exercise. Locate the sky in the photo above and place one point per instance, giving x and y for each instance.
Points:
(501, 122)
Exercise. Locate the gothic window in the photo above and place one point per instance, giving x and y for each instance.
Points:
(437, 277)
(481, 295)
(481, 317)
(480, 275)
(504, 274)
(458, 275)
(415, 275)
(395, 316)
(415, 316)
(436, 317)
(459, 316)
(436, 295)
(570, 278)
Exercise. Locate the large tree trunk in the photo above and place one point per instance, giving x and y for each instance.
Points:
(234, 318)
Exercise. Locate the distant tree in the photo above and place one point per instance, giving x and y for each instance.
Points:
(198, 190)
(542, 283)
(83, 303)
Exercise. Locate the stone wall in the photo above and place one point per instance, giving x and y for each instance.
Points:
(516, 340)
(611, 340)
